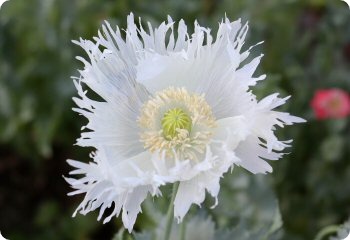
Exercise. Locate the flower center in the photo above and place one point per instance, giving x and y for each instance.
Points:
(173, 120)
(176, 123)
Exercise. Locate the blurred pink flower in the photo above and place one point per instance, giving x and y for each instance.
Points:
(331, 103)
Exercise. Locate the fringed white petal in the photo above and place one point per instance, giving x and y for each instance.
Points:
(211, 69)
(104, 189)
(193, 191)
(189, 192)
(125, 184)
(240, 141)
(132, 205)
(111, 120)
(250, 152)
(229, 133)
(264, 120)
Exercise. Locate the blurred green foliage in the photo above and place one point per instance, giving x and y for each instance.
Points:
(307, 47)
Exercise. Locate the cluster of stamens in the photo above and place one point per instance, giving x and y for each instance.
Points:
(176, 123)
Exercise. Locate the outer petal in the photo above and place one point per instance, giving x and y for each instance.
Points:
(251, 154)
(189, 192)
(103, 187)
(112, 121)
(228, 135)
(264, 119)
(193, 191)
(251, 137)
(126, 183)
(132, 205)
(241, 143)
(211, 69)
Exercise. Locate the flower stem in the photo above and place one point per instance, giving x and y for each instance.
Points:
(326, 231)
(170, 213)
(183, 229)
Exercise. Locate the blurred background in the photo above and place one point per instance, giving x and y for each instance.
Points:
(306, 49)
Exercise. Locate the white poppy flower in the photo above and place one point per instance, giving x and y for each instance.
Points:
(172, 109)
